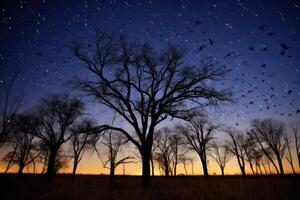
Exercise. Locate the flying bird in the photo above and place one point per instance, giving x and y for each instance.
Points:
(198, 22)
(284, 48)
(211, 42)
(262, 27)
(201, 47)
(251, 48)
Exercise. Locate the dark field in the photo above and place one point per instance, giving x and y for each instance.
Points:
(128, 187)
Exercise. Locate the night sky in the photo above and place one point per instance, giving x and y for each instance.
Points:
(258, 40)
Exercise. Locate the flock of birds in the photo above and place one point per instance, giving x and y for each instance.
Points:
(256, 92)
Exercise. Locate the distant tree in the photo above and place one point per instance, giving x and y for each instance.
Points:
(252, 154)
(289, 157)
(9, 106)
(145, 87)
(184, 161)
(112, 143)
(257, 157)
(269, 135)
(296, 132)
(57, 113)
(9, 158)
(61, 161)
(236, 145)
(25, 147)
(164, 153)
(199, 134)
(220, 154)
(84, 137)
(179, 150)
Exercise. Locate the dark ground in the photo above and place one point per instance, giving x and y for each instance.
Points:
(92, 187)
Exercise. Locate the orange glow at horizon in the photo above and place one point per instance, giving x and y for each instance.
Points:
(91, 164)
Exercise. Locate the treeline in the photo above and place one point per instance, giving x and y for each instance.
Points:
(39, 135)
(263, 148)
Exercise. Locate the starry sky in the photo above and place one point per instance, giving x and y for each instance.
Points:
(258, 40)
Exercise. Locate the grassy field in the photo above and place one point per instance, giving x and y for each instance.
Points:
(128, 187)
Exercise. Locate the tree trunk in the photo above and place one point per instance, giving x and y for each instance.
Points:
(298, 156)
(251, 167)
(204, 165)
(146, 179)
(184, 166)
(294, 172)
(21, 167)
(51, 164)
(222, 170)
(280, 165)
(10, 160)
(175, 169)
(152, 165)
(75, 164)
(166, 170)
(112, 173)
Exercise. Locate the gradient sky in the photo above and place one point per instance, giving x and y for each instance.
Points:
(248, 36)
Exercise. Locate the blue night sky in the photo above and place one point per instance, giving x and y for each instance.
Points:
(258, 40)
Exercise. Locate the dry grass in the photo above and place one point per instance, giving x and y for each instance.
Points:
(98, 188)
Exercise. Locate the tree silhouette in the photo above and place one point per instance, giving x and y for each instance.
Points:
(269, 135)
(84, 136)
(145, 87)
(57, 113)
(164, 149)
(289, 157)
(296, 132)
(199, 134)
(9, 106)
(112, 143)
(179, 150)
(236, 145)
(61, 162)
(220, 154)
(25, 147)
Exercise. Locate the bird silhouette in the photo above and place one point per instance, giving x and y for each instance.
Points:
(251, 48)
(262, 27)
(198, 22)
(264, 48)
(211, 42)
(284, 48)
(201, 47)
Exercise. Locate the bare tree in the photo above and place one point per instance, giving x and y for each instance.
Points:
(236, 145)
(199, 134)
(25, 147)
(289, 157)
(10, 106)
(57, 115)
(61, 161)
(9, 158)
(252, 154)
(164, 153)
(269, 135)
(179, 150)
(257, 156)
(112, 143)
(145, 87)
(84, 137)
(220, 154)
(296, 132)
(184, 161)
